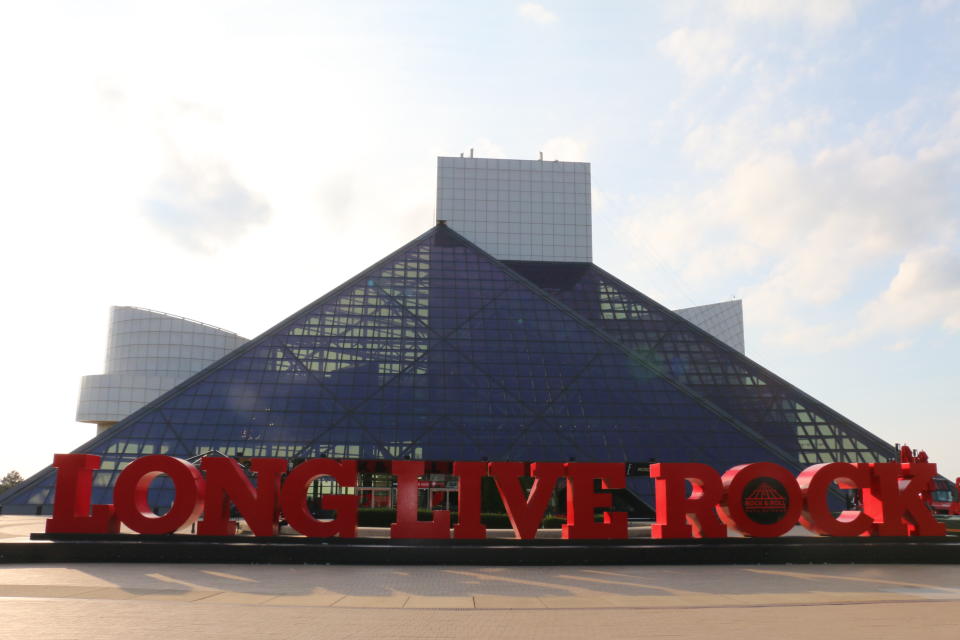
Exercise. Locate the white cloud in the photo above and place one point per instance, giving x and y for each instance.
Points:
(203, 207)
(808, 233)
(699, 52)
(932, 6)
(536, 13)
(486, 148)
(725, 144)
(819, 14)
(598, 201)
(565, 149)
(900, 345)
(925, 290)
(877, 200)
(946, 142)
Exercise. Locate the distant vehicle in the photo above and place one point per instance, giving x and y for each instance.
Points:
(941, 496)
(945, 497)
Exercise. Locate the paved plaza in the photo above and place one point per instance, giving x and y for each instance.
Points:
(143, 601)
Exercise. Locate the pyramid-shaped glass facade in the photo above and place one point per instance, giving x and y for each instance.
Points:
(805, 429)
(441, 352)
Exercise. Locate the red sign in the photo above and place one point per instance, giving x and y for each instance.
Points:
(764, 500)
(760, 499)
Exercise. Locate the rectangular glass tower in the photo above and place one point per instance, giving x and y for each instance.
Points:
(518, 209)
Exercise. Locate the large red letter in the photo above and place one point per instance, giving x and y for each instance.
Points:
(71, 505)
(227, 484)
(408, 473)
(814, 484)
(130, 494)
(526, 512)
(675, 510)
(582, 500)
(761, 500)
(469, 479)
(893, 499)
(293, 499)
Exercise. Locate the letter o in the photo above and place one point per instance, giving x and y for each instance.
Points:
(130, 494)
(764, 499)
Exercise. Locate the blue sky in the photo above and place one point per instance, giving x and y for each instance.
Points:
(232, 161)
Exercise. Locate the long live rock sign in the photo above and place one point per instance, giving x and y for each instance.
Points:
(891, 497)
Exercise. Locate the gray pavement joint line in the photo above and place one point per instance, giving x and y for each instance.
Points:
(496, 578)
(209, 595)
(269, 601)
(769, 605)
(629, 584)
(82, 589)
(818, 576)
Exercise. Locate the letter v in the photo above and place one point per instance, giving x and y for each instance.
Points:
(526, 512)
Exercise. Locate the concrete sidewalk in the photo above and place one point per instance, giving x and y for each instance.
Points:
(231, 601)
(163, 601)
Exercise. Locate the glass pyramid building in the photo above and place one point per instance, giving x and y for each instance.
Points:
(442, 352)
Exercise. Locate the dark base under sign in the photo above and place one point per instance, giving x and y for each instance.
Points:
(61, 548)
